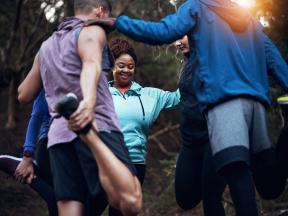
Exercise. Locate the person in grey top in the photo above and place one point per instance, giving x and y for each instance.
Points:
(70, 61)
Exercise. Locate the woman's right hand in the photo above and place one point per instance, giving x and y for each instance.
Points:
(24, 172)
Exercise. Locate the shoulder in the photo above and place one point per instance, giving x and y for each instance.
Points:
(89, 33)
(193, 5)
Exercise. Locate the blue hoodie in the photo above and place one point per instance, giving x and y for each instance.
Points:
(234, 54)
(136, 110)
(39, 123)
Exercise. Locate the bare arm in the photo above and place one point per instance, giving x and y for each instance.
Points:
(32, 84)
(121, 186)
(90, 45)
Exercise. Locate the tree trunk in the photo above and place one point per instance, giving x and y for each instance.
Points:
(69, 7)
(120, 7)
(12, 102)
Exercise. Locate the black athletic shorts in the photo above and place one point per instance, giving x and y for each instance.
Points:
(74, 169)
(43, 169)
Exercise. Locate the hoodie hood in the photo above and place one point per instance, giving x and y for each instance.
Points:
(237, 17)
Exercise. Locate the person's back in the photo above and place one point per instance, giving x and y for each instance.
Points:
(60, 67)
(230, 44)
(236, 63)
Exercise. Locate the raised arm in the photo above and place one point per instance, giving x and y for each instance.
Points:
(32, 84)
(165, 100)
(167, 30)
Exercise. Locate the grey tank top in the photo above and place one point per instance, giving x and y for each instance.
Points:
(60, 68)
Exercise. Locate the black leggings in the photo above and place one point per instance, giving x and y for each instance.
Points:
(196, 180)
(270, 168)
(43, 183)
(241, 186)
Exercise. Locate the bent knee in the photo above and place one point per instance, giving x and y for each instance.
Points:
(187, 204)
(128, 205)
(131, 205)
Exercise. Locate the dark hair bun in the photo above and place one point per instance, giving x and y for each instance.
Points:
(120, 46)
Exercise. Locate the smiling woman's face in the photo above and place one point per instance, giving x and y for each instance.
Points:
(182, 45)
(123, 71)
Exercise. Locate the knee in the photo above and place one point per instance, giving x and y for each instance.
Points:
(232, 167)
(270, 195)
(187, 203)
(129, 205)
(188, 191)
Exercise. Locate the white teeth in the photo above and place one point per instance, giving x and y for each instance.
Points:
(124, 75)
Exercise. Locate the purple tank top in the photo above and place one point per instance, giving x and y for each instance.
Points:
(60, 68)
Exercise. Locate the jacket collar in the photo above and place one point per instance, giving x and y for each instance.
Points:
(135, 89)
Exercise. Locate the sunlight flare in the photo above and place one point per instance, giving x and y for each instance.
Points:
(246, 3)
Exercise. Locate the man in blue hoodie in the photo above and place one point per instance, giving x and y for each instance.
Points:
(230, 81)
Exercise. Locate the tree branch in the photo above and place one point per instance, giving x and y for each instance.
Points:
(162, 148)
(164, 130)
(154, 137)
(35, 28)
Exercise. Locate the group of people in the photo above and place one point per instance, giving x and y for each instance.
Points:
(223, 94)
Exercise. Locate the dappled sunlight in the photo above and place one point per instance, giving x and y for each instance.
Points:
(246, 3)
(264, 22)
(50, 10)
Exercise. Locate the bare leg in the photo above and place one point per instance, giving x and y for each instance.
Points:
(71, 208)
(122, 188)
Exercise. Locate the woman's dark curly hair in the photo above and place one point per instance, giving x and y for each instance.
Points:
(120, 46)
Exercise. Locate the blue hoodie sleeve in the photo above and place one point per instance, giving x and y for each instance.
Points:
(40, 109)
(167, 30)
(275, 63)
(164, 99)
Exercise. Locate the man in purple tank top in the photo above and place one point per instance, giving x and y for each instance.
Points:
(70, 61)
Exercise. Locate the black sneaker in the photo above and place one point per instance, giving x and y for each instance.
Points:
(283, 102)
(8, 164)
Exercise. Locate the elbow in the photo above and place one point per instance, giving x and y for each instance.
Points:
(22, 97)
(23, 100)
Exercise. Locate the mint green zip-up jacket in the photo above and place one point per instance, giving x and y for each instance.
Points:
(136, 110)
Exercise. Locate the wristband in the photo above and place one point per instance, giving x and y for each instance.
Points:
(28, 154)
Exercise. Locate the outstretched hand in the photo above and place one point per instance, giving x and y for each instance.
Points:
(108, 24)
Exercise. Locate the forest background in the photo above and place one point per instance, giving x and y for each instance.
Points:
(24, 24)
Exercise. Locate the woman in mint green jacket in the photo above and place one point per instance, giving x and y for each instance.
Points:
(136, 107)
